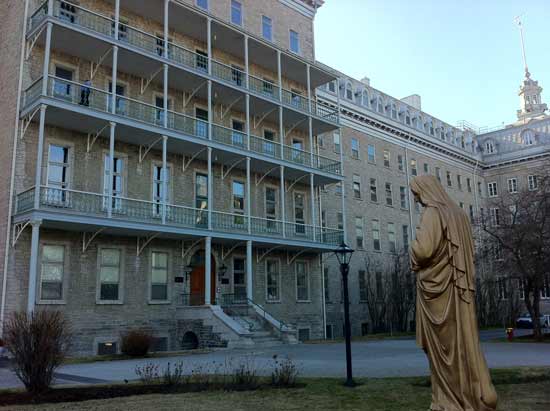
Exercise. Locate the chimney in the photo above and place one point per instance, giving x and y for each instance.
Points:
(413, 100)
(365, 81)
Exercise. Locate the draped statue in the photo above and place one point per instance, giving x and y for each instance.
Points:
(442, 255)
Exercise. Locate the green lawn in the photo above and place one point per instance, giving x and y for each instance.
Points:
(526, 389)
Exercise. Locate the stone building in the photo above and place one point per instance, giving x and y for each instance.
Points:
(187, 166)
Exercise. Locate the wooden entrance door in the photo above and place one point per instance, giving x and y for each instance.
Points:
(198, 284)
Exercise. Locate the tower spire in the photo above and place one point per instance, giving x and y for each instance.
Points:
(518, 21)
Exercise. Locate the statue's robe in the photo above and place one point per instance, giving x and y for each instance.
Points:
(446, 323)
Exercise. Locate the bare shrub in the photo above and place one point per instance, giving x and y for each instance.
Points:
(136, 343)
(285, 373)
(245, 375)
(175, 375)
(148, 373)
(39, 343)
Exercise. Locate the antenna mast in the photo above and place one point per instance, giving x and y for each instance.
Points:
(517, 19)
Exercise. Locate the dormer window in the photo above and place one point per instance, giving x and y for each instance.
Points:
(349, 92)
(393, 111)
(331, 87)
(490, 147)
(365, 98)
(407, 118)
(380, 105)
(528, 137)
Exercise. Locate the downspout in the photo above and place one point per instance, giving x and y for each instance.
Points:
(412, 229)
(12, 176)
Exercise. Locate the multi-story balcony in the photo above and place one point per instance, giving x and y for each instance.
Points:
(63, 208)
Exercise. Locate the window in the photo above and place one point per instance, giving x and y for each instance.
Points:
(403, 197)
(393, 111)
(67, 12)
(532, 182)
(338, 188)
(492, 189)
(201, 199)
(336, 140)
(459, 181)
(120, 102)
(373, 190)
(365, 98)
(203, 4)
(405, 229)
(386, 158)
(239, 279)
(159, 276)
(238, 202)
(107, 348)
(400, 162)
(449, 179)
(513, 213)
(271, 207)
(379, 105)
(438, 174)
(267, 86)
(426, 168)
(332, 86)
(545, 292)
(495, 216)
(461, 205)
(349, 92)
(340, 221)
(471, 213)
(407, 118)
(58, 174)
(501, 288)
(391, 237)
(356, 186)
(469, 184)
(237, 135)
(116, 185)
(236, 13)
(109, 274)
(389, 195)
(63, 83)
(160, 45)
(512, 185)
(489, 147)
(201, 125)
(302, 281)
(267, 28)
(158, 188)
(480, 188)
(299, 217)
(327, 287)
(528, 137)
(273, 281)
(294, 42)
(363, 289)
(52, 272)
(354, 148)
(359, 231)
(376, 234)
(414, 172)
(371, 153)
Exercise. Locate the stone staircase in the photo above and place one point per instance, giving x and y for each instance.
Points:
(260, 333)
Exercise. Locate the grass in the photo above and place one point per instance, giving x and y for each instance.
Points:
(519, 389)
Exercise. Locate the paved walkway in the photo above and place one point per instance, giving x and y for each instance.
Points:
(387, 358)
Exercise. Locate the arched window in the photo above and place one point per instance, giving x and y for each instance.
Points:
(380, 105)
(432, 130)
(489, 147)
(528, 137)
(349, 91)
(332, 86)
(365, 98)
(393, 111)
(407, 118)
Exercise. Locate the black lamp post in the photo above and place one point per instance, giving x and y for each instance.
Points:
(343, 254)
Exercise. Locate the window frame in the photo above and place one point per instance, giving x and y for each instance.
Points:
(231, 9)
(267, 22)
(64, 276)
(267, 273)
(308, 281)
(298, 49)
(121, 276)
(168, 299)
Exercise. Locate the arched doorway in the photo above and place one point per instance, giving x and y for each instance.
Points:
(198, 283)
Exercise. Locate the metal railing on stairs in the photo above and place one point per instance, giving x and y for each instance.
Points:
(231, 300)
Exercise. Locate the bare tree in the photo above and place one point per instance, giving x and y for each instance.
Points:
(402, 291)
(377, 294)
(517, 231)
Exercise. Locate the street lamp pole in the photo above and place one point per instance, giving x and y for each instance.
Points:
(343, 254)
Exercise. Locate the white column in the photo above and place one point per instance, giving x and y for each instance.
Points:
(166, 36)
(312, 196)
(312, 154)
(164, 179)
(47, 52)
(282, 199)
(246, 62)
(114, 75)
(117, 18)
(50, 7)
(249, 283)
(343, 191)
(33, 265)
(165, 96)
(39, 156)
(247, 109)
(209, 44)
(109, 187)
(308, 77)
(281, 132)
(210, 113)
(248, 199)
(279, 75)
(210, 193)
(207, 270)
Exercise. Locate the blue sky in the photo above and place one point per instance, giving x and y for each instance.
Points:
(462, 56)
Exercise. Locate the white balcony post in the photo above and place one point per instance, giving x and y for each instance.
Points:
(33, 265)
(39, 156)
(164, 179)
(282, 195)
(248, 199)
(312, 195)
(114, 75)
(281, 132)
(343, 192)
(165, 96)
(246, 62)
(209, 44)
(210, 193)
(109, 187)
(308, 82)
(247, 109)
(47, 52)
(117, 18)
(210, 113)
(166, 36)
(311, 153)
(249, 283)
(280, 75)
(208, 271)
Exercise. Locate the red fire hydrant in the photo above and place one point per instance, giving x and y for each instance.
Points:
(510, 333)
